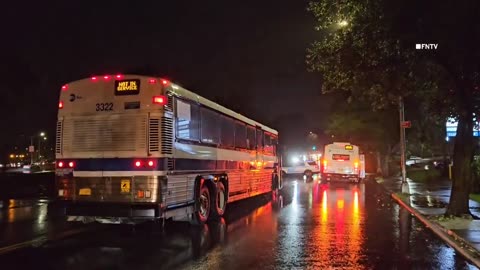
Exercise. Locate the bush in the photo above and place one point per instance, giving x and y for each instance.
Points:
(423, 175)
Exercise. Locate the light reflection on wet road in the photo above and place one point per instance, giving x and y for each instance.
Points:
(312, 226)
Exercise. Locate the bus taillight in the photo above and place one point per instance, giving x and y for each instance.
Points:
(60, 164)
(160, 100)
(60, 105)
(138, 163)
(150, 163)
(71, 164)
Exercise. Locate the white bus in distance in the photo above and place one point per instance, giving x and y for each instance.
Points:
(342, 162)
(132, 148)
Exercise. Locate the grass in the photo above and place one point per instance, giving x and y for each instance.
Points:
(403, 196)
(475, 197)
(423, 175)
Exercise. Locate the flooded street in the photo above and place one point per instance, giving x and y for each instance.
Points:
(311, 226)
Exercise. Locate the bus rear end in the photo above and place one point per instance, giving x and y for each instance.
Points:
(114, 137)
(341, 162)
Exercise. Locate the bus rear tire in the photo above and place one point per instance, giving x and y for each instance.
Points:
(308, 175)
(219, 204)
(204, 202)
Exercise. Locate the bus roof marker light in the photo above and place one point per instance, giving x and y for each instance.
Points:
(164, 82)
(106, 77)
(60, 105)
(94, 79)
(119, 76)
(65, 87)
(152, 81)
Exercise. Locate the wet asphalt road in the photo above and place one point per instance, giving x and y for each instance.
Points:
(311, 226)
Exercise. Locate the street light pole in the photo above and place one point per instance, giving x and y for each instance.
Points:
(402, 140)
(29, 150)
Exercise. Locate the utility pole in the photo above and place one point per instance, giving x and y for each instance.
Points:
(402, 140)
(30, 150)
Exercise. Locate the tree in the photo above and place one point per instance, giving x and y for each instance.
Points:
(368, 50)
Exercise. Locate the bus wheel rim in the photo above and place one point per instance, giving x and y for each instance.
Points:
(203, 205)
(221, 199)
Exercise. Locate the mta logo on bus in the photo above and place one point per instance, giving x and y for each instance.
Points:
(127, 87)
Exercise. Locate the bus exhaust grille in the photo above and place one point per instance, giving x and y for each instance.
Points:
(169, 106)
(58, 139)
(170, 164)
(153, 135)
(167, 135)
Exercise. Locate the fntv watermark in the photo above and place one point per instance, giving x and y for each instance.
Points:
(419, 46)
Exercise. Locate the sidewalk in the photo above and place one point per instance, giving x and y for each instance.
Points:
(431, 200)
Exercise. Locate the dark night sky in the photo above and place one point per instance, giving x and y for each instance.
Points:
(243, 54)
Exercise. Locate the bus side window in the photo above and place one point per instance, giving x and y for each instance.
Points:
(240, 135)
(267, 144)
(188, 119)
(210, 126)
(260, 140)
(227, 133)
(274, 140)
(251, 138)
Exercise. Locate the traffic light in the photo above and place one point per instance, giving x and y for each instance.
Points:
(314, 148)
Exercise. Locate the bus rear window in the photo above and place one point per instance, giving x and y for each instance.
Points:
(340, 157)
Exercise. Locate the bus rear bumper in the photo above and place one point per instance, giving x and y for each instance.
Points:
(111, 211)
(340, 177)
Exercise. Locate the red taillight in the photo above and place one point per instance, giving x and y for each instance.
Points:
(150, 163)
(152, 81)
(94, 78)
(138, 163)
(60, 105)
(118, 76)
(71, 164)
(106, 77)
(65, 87)
(60, 164)
(160, 100)
(164, 82)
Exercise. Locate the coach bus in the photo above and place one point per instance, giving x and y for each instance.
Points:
(133, 148)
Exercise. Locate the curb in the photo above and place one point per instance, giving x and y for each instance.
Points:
(445, 234)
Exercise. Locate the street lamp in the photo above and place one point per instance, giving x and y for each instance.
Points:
(342, 23)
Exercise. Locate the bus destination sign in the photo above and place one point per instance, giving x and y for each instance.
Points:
(127, 87)
(348, 147)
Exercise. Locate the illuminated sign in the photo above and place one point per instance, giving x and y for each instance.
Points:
(127, 87)
(451, 128)
(348, 147)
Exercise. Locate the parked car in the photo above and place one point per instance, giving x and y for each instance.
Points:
(307, 168)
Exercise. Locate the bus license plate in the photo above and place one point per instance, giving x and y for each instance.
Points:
(85, 192)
